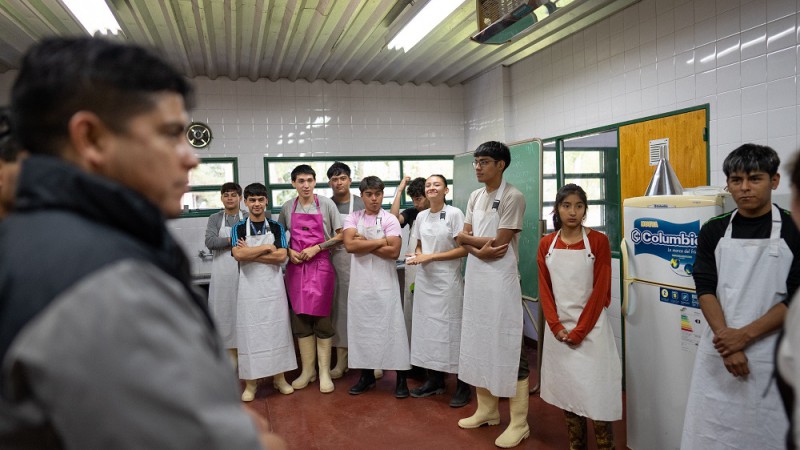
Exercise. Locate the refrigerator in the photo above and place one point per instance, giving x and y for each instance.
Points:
(661, 315)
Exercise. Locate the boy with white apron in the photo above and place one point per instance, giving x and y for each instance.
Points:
(264, 337)
(313, 223)
(376, 330)
(745, 271)
(492, 357)
(224, 269)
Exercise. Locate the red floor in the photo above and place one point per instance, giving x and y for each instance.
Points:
(308, 419)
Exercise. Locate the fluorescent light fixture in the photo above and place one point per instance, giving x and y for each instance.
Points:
(417, 28)
(94, 16)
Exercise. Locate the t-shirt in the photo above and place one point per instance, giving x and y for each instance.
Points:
(511, 210)
(240, 231)
(330, 215)
(344, 208)
(409, 216)
(705, 266)
(453, 219)
(389, 223)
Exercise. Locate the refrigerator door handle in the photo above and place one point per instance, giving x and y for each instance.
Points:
(627, 309)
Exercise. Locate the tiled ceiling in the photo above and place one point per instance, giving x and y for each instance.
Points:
(299, 39)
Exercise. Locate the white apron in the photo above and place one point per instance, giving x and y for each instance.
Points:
(741, 412)
(341, 263)
(222, 289)
(263, 331)
(491, 330)
(586, 380)
(376, 332)
(439, 298)
(409, 277)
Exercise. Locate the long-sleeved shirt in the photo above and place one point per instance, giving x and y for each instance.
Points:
(601, 287)
(213, 241)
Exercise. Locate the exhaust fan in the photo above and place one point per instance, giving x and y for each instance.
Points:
(499, 21)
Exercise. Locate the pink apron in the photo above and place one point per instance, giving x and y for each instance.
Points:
(310, 284)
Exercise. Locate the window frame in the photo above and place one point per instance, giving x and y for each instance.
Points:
(609, 175)
(405, 202)
(206, 212)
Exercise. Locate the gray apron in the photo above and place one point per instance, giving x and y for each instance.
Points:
(222, 289)
(341, 263)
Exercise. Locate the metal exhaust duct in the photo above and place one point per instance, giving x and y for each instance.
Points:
(664, 181)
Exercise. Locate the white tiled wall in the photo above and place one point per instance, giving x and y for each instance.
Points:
(488, 101)
(253, 120)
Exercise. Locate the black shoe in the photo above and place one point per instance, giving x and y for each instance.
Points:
(433, 385)
(401, 390)
(462, 396)
(418, 373)
(365, 383)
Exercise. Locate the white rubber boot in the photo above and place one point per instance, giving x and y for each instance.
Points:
(279, 383)
(518, 429)
(486, 414)
(234, 354)
(308, 353)
(324, 358)
(249, 390)
(341, 363)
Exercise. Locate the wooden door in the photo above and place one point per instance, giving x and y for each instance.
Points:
(688, 151)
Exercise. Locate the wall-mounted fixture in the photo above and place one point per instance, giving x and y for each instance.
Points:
(499, 21)
(199, 135)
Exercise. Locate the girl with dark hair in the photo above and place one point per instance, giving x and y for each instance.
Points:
(581, 371)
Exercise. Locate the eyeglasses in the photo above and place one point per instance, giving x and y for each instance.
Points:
(482, 162)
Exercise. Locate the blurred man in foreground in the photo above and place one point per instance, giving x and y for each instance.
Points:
(103, 341)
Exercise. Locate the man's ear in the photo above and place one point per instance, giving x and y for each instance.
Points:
(87, 140)
(776, 179)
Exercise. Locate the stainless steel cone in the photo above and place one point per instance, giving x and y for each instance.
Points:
(664, 181)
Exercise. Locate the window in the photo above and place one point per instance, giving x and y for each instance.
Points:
(277, 172)
(589, 161)
(205, 182)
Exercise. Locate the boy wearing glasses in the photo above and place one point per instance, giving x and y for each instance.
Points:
(492, 357)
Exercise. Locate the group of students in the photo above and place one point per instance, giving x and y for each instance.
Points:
(341, 290)
(98, 302)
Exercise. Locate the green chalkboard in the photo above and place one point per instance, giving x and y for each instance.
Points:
(525, 172)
